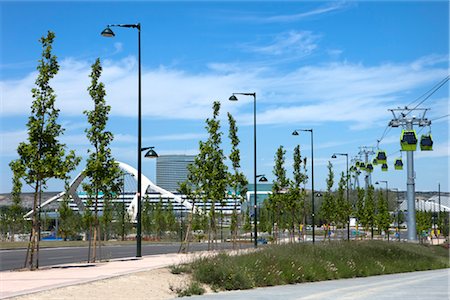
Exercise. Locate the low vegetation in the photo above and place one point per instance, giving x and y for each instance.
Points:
(297, 263)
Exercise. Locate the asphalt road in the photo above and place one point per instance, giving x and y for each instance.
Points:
(14, 259)
(429, 285)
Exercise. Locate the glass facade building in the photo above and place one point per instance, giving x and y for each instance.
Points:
(171, 170)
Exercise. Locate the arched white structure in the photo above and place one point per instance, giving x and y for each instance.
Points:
(132, 208)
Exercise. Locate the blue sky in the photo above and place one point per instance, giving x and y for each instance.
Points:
(336, 67)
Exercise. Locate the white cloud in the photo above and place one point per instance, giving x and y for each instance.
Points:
(294, 44)
(339, 91)
(325, 9)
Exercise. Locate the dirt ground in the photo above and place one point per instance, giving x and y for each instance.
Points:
(153, 284)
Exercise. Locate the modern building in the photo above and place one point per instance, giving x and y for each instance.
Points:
(171, 170)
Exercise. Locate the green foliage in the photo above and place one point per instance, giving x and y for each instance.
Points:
(69, 222)
(122, 225)
(237, 179)
(343, 206)
(383, 219)
(423, 223)
(328, 208)
(194, 288)
(42, 156)
(369, 209)
(296, 263)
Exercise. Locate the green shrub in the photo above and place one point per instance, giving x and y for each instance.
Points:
(194, 288)
(296, 263)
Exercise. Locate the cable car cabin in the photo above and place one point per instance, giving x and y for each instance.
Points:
(357, 164)
(375, 161)
(384, 167)
(398, 165)
(381, 157)
(408, 140)
(362, 166)
(369, 168)
(426, 142)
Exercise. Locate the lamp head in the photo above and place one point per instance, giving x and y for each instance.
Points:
(295, 132)
(151, 153)
(233, 98)
(334, 156)
(263, 179)
(107, 32)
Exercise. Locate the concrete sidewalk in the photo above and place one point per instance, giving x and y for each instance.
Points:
(15, 283)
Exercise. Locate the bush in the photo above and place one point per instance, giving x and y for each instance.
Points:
(194, 288)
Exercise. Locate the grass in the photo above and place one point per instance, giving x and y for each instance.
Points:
(296, 263)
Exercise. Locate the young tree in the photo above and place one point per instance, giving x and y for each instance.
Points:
(102, 171)
(68, 221)
(328, 207)
(360, 213)
(343, 207)
(277, 199)
(296, 203)
(237, 179)
(15, 215)
(42, 157)
(383, 219)
(369, 210)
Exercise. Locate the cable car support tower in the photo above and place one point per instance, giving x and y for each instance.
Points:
(365, 151)
(401, 119)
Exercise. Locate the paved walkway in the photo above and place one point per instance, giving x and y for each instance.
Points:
(14, 283)
(429, 285)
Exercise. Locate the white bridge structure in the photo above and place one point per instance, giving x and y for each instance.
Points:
(150, 191)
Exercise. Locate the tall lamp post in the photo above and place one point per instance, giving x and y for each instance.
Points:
(107, 32)
(234, 98)
(348, 198)
(387, 198)
(295, 132)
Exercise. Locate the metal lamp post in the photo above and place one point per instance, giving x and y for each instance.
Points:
(295, 132)
(348, 197)
(234, 98)
(107, 32)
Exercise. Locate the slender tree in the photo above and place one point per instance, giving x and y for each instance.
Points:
(102, 171)
(42, 157)
(343, 207)
(382, 218)
(277, 200)
(296, 203)
(360, 213)
(237, 179)
(369, 210)
(328, 208)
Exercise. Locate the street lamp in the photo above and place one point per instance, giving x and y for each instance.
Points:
(234, 98)
(295, 132)
(348, 198)
(107, 32)
(387, 198)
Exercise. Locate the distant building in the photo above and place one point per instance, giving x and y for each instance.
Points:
(171, 170)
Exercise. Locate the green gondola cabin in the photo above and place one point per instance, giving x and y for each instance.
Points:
(375, 161)
(362, 166)
(426, 142)
(381, 157)
(408, 140)
(398, 165)
(384, 167)
(369, 168)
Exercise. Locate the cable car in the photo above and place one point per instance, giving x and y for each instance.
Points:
(362, 166)
(375, 161)
(408, 140)
(398, 165)
(369, 168)
(384, 167)
(381, 157)
(426, 142)
(357, 164)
